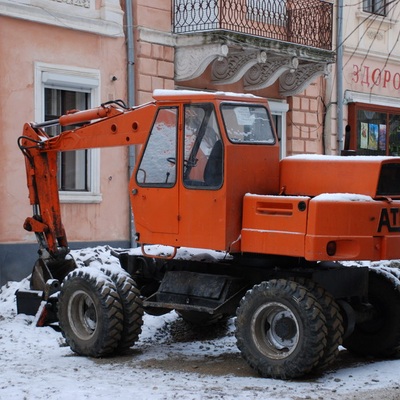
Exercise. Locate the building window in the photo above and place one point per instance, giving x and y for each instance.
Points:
(374, 130)
(73, 166)
(375, 7)
(58, 90)
(278, 111)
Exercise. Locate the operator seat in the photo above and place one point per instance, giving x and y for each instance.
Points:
(214, 166)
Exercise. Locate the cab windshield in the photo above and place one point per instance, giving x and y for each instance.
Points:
(247, 124)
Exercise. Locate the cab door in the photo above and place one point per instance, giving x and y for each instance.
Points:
(202, 199)
(154, 188)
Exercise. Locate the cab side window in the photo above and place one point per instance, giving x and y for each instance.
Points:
(203, 149)
(158, 164)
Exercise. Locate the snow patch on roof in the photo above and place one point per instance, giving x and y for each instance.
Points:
(337, 197)
(174, 93)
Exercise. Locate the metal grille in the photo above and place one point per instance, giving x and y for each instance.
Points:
(307, 23)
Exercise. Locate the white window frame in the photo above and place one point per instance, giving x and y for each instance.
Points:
(371, 4)
(280, 109)
(77, 79)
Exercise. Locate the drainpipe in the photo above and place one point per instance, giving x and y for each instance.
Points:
(339, 75)
(131, 100)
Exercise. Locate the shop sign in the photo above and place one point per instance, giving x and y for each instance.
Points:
(372, 77)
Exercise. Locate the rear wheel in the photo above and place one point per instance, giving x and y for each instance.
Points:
(380, 335)
(334, 321)
(131, 306)
(90, 313)
(280, 329)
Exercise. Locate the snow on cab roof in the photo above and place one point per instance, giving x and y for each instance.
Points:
(165, 94)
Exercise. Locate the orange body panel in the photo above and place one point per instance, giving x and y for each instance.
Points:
(274, 224)
(251, 169)
(314, 175)
(363, 229)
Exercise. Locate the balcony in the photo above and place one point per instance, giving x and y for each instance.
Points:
(240, 37)
(307, 23)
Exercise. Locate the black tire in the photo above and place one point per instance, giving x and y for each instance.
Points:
(132, 308)
(280, 329)
(380, 336)
(197, 318)
(334, 321)
(90, 313)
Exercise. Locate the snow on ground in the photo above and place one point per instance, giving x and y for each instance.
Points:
(168, 362)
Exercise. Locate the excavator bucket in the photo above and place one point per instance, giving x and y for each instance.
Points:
(43, 270)
(45, 282)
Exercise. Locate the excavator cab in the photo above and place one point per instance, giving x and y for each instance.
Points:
(202, 155)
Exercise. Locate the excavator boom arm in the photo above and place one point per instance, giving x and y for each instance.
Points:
(112, 126)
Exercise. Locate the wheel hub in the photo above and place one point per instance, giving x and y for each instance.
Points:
(285, 328)
(275, 330)
(82, 314)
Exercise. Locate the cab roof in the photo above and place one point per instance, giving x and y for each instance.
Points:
(192, 95)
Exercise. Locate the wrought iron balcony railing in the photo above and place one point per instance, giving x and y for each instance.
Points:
(303, 22)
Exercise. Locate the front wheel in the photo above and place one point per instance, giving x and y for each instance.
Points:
(90, 313)
(280, 329)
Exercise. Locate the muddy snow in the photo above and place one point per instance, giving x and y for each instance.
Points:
(171, 360)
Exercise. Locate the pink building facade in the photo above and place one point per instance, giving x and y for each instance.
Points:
(56, 56)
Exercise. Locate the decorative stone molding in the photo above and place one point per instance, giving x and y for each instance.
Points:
(78, 3)
(375, 35)
(232, 68)
(258, 62)
(261, 76)
(191, 62)
(294, 82)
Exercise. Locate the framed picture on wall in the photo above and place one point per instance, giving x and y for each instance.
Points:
(364, 135)
(373, 137)
(382, 137)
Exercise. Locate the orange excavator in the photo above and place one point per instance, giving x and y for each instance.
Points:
(291, 234)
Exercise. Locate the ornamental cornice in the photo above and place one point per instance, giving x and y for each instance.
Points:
(191, 62)
(294, 82)
(259, 68)
(231, 69)
(263, 75)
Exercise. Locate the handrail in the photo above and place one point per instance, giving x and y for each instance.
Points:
(308, 23)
